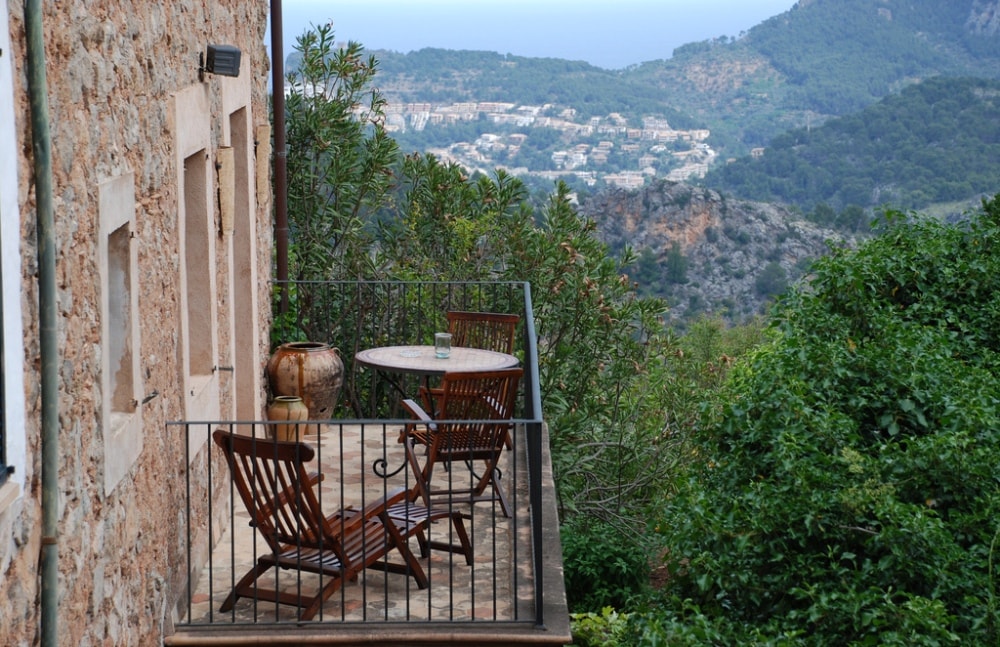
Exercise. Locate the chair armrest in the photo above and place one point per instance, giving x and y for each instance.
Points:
(416, 410)
(350, 519)
(410, 435)
(394, 496)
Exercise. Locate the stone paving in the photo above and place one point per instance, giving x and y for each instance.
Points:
(457, 592)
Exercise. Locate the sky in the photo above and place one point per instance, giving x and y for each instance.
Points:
(612, 34)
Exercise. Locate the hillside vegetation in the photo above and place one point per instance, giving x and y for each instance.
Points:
(705, 253)
(446, 76)
(822, 58)
(844, 488)
(937, 141)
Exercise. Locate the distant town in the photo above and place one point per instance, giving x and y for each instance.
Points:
(597, 149)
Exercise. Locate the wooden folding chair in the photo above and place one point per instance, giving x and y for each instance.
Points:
(280, 495)
(487, 330)
(472, 423)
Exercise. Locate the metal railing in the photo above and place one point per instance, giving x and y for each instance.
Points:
(354, 315)
(503, 583)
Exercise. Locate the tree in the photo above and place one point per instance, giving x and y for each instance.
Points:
(772, 280)
(823, 214)
(340, 159)
(676, 264)
(451, 226)
(647, 271)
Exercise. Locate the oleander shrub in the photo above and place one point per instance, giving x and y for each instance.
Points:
(340, 161)
(845, 486)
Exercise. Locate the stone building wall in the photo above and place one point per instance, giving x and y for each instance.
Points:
(120, 77)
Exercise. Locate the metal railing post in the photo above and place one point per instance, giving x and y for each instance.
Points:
(535, 495)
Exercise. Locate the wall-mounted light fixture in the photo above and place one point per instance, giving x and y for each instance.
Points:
(221, 59)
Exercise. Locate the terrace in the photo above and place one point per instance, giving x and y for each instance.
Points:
(512, 593)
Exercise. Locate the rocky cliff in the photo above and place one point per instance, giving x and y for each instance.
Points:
(984, 18)
(707, 253)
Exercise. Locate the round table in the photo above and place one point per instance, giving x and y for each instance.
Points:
(421, 360)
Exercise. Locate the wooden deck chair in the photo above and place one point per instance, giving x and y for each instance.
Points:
(280, 494)
(479, 406)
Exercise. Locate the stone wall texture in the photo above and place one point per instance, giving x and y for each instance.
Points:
(112, 69)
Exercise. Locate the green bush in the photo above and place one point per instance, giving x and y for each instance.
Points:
(602, 568)
(845, 488)
(606, 629)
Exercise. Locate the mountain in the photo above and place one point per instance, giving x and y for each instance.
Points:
(822, 58)
(935, 142)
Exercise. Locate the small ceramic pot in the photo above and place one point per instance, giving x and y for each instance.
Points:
(288, 408)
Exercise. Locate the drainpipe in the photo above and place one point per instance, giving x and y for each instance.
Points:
(280, 151)
(41, 147)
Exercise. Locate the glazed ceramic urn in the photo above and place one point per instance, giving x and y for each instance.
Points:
(309, 370)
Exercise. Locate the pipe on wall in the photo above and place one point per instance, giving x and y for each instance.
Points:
(41, 146)
(280, 151)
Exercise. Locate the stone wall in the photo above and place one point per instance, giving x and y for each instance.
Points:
(113, 70)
